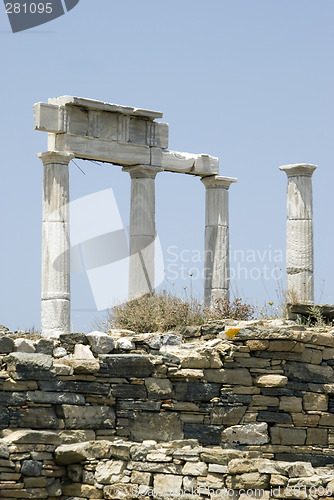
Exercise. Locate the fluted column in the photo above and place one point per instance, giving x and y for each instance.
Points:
(299, 233)
(216, 246)
(55, 244)
(142, 229)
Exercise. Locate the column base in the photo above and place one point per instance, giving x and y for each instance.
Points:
(56, 317)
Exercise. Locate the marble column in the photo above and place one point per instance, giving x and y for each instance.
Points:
(216, 247)
(142, 229)
(55, 244)
(299, 233)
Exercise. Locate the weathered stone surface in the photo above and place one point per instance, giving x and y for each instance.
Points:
(300, 469)
(82, 366)
(239, 376)
(206, 434)
(89, 417)
(288, 436)
(309, 373)
(271, 381)
(24, 366)
(55, 398)
(69, 340)
(44, 346)
(76, 386)
(276, 417)
(32, 437)
(24, 345)
(119, 491)
(35, 418)
(126, 365)
(129, 391)
(195, 469)
(6, 345)
(196, 391)
(161, 426)
(167, 484)
(159, 388)
(31, 468)
(74, 453)
(290, 404)
(101, 343)
(315, 402)
(82, 352)
(108, 471)
(246, 434)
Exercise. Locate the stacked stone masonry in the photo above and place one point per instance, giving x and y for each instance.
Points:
(136, 416)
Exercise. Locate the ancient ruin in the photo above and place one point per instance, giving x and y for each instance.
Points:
(130, 137)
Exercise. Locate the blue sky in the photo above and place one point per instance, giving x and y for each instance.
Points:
(248, 81)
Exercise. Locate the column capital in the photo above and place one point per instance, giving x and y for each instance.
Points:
(305, 169)
(218, 181)
(142, 171)
(60, 157)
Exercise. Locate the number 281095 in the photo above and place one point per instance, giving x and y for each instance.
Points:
(29, 8)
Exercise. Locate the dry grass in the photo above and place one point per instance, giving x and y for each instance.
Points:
(163, 312)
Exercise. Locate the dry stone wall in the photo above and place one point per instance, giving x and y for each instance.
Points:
(110, 416)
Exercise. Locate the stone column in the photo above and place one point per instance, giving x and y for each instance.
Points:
(299, 233)
(55, 244)
(142, 229)
(216, 247)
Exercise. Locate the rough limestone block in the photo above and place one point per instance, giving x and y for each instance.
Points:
(315, 402)
(246, 434)
(36, 418)
(109, 471)
(6, 345)
(82, 352)
(25, 366)
(32, 437)
(166, 485)
(159, 388)
(101, 343)
(300, 469)
(126, 365)
(195, 469)
(48, 117)
(31, 468)
(237, 376)
(89, 417)
(291, 404)
(306, 372)
(271, 381)
(159, 426)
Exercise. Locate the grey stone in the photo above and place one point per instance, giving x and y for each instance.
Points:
(106, 471)
(246, 434)
(55, 398)
(35, 418)
(126, 365)
(6, 345)
(305, 372)
(68, 340)
(8, 398)
(75, 386)
(31, 468)
(4, 418)
(101, 343)
(300, 469)
(171, 339)
(74, 453)
(4, 452)
(161, 427)
(274, 417)
(44, 346)
(125, 344)
(54, 489)
(159, 388)
(59, 352)
(196, 391)
(89, 417)
(24, 366)
(206, 434)
(135, 391)
(24, 345)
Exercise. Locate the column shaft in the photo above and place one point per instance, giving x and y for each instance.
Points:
(299, 233)
(216, 246)
(55, 244)
(142, 229)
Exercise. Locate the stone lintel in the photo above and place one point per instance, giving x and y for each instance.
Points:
(61, 157)
(187, 163)
(217, 181)
(67, 100)
(293, 170)
(142, 171)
